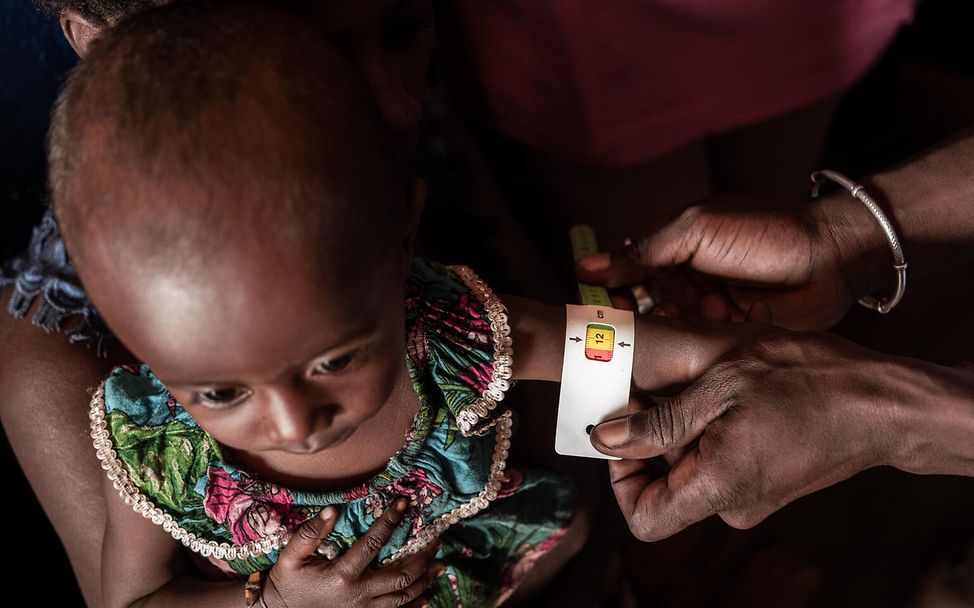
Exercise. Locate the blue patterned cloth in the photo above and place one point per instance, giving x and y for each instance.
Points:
(44, 271)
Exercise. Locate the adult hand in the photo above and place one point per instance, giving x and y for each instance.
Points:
(799, 263)
(783, 417)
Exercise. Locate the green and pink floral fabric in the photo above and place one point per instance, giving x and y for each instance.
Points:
(182, 470)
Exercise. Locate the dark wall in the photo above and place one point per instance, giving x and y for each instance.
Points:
(33, 60)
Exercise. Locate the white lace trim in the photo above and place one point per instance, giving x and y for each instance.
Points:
(475, 419)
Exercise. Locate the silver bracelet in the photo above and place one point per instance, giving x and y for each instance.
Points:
(884, 305)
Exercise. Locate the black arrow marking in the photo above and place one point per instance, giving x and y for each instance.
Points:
(576, 339)
(623, 344)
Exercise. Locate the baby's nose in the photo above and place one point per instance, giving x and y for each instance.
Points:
(294, 415)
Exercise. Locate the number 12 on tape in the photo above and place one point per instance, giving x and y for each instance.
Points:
(595, 377)
(598, 342)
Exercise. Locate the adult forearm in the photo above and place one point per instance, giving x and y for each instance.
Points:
(936, 429)
(929, 199)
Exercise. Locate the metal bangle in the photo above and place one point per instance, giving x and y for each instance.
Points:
(880, 305)
(646, 301)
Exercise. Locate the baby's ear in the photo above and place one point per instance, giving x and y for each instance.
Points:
(79, 30)
(415, 202)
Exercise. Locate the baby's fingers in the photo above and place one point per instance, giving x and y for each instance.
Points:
(402, 574)
(366, 548)
(305, 540)
(410, 595)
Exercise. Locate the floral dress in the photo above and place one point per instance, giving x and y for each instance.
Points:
(493, 521)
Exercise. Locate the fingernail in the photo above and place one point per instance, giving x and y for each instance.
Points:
(613, 433)
(666, 309)
(327, 513)
(401, 504)
(595, 263)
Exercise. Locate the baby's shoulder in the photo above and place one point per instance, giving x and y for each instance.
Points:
(143, 436)
(458, 335)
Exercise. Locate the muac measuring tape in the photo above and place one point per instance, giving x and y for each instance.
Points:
(597, 370)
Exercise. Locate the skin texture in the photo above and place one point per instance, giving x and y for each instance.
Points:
(79, 31)
(797, 412)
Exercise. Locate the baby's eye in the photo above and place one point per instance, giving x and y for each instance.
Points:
(221, 397)
(330, 366)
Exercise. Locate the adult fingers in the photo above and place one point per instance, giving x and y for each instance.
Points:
(305, 540)
(671, 245)
(364, 551)
(671, 424)
(656, 509)
(400, 575)
(616, 268)
(622, 302)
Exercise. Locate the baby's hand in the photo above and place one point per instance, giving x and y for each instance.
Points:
(301, 578)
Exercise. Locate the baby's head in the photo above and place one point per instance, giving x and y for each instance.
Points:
(224, 186)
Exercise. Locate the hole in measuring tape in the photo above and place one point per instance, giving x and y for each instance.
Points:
(588, 429)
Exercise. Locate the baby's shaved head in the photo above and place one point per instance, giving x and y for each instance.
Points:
(99, 11)
(195, 125)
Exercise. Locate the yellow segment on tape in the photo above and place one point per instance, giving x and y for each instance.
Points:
(599, 341)
(583, 243)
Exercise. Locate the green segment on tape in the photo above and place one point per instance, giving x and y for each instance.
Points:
(583, 244)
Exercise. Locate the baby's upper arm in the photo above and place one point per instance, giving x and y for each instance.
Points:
(138, 557)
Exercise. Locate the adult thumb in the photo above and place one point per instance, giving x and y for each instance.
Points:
(669, 246)
(669, 425)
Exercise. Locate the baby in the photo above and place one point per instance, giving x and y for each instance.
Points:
(230, 199)
(232, 205)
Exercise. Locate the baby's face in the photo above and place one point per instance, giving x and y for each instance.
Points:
(268, 352)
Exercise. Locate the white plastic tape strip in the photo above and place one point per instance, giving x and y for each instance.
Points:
(595, 377)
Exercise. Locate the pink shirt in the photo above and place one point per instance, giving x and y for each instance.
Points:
(619, 82)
